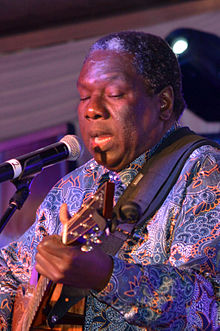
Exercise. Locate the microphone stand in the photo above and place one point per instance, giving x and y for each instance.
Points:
(23, 189)
(17, 200)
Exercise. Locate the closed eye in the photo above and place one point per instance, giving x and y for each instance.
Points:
(84, 98)
(116, 95)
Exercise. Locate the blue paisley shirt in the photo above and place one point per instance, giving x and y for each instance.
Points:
(165, 277)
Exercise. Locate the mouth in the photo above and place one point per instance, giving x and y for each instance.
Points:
(101, 142)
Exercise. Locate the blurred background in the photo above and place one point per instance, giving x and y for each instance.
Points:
(42, 46)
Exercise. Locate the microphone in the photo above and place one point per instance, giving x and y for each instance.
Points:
(68, 148)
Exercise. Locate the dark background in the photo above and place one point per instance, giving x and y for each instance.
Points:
(25, 15)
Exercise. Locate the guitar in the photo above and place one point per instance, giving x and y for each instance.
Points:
(31, 303)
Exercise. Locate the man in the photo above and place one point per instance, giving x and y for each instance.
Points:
(164, 276)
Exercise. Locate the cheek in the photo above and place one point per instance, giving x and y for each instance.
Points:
(127, 131)
(81, 120)
(80, 114)
(83, 130)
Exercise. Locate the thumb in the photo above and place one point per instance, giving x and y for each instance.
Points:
(64, 214)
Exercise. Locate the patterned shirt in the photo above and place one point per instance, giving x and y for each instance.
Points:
(165, 276)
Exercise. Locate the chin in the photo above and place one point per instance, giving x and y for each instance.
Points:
(109, 164)
(112, 160)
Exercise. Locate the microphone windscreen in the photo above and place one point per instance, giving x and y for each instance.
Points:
(75, 146)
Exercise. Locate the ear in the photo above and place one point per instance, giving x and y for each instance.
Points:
(166, 98)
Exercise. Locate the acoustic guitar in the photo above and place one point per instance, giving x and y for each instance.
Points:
(33, 303)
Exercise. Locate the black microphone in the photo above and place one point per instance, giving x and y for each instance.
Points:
(68, 148)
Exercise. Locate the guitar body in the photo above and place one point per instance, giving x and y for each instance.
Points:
(24, 301)
(24, 298)
(33, 303)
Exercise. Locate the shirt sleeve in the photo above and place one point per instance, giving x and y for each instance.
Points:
(16, 263)
(179, 294)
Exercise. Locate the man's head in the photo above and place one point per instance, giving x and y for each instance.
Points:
(130, 95)
(153, 59)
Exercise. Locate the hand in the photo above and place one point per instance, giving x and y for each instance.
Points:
(70, 266)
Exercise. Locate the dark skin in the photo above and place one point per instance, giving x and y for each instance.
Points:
(119, 121)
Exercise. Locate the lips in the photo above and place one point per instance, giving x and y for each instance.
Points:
(100, 139)
(103, 142)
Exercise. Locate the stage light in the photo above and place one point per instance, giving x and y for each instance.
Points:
(179, 46)
(198, 53)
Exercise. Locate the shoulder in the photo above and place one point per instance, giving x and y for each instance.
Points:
(201, 170)
(212, 152)
(205, 156)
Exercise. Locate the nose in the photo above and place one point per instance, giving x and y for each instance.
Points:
(96, 109)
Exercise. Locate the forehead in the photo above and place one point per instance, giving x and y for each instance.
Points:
(105, 64)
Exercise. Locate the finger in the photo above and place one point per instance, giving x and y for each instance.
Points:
(48, 267)
(50, 243)
(64, 214)
(53, 247)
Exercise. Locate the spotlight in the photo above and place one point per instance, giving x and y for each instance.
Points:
(179, 46)
(198, 54)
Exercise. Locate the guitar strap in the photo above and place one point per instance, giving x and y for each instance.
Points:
(148, 190)
(153, 182)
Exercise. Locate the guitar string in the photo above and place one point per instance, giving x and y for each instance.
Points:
(80, 212)
(98, 196)
(81, 225)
